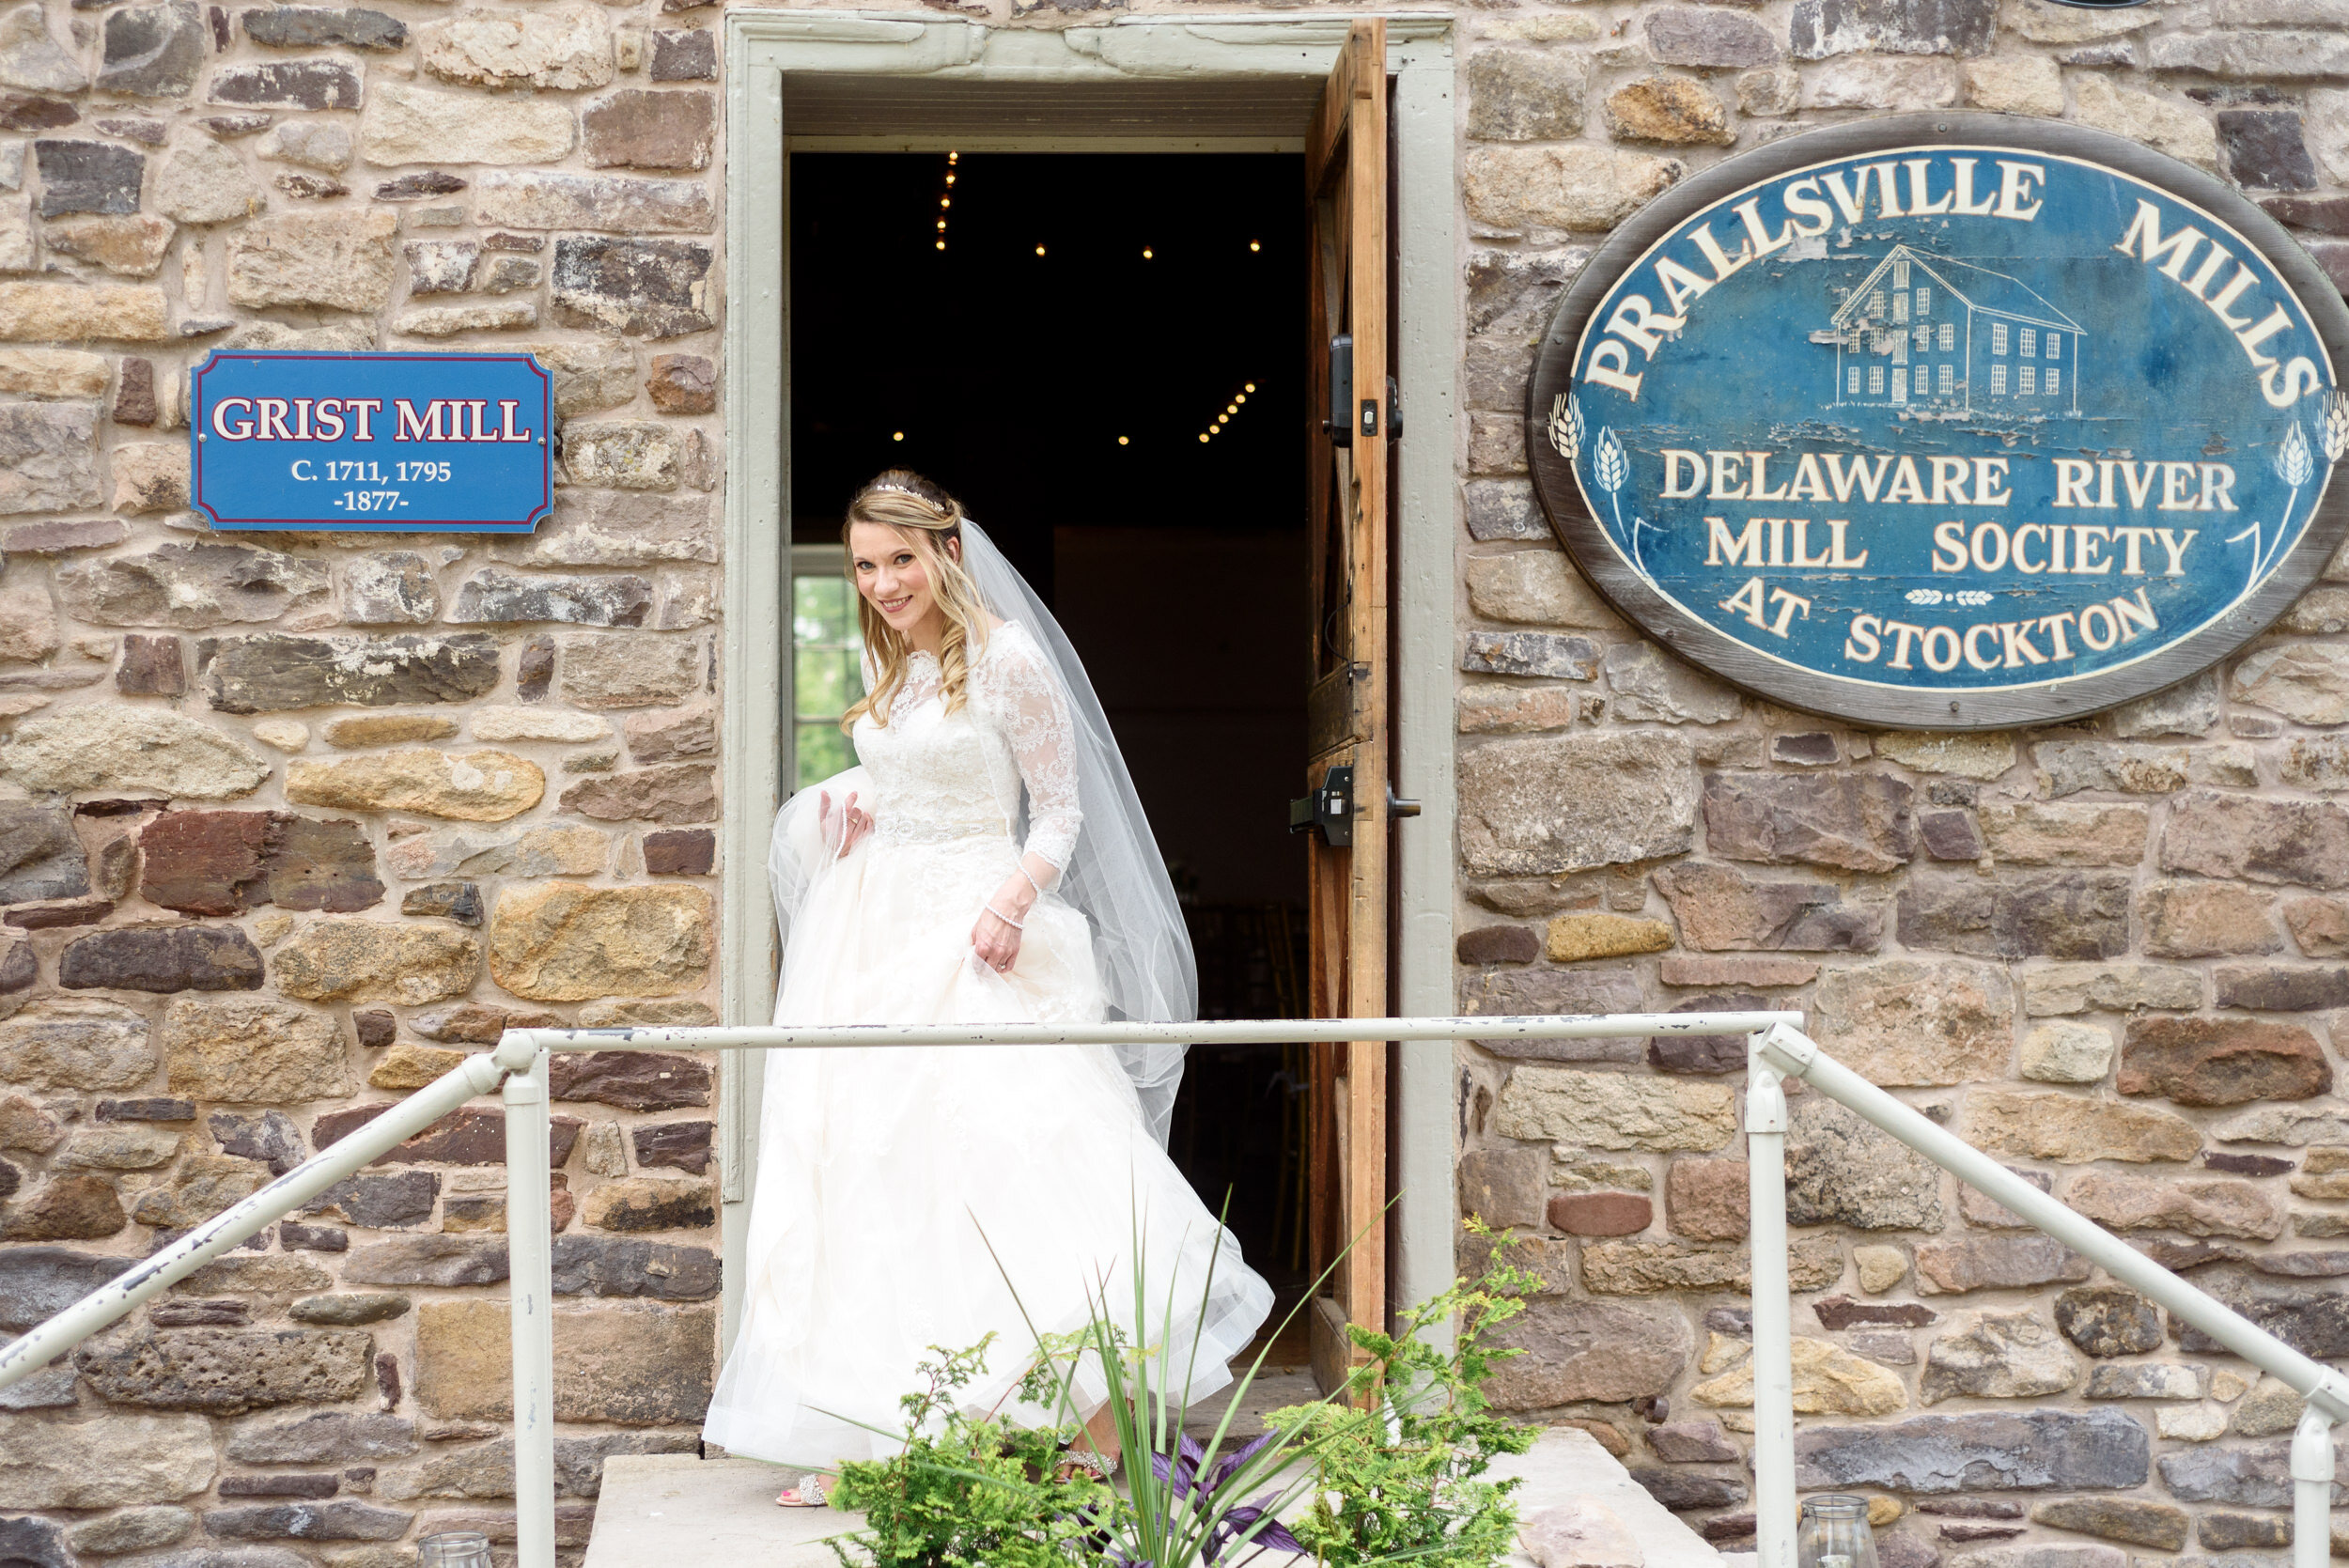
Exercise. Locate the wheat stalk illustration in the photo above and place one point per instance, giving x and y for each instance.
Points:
(1611, 467)
(1565, 425)
(2336, 426)
(2296, 465)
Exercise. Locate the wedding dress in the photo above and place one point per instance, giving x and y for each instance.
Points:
(913, 1198)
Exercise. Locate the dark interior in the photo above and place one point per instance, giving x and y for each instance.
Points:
(1062, 397)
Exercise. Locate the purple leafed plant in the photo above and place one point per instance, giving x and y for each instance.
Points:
(1182, 1474)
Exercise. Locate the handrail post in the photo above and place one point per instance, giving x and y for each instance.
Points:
(2312, 1490)
(530, 1253)
(1773, 1313)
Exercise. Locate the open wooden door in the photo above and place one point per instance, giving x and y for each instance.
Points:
(1346, 807)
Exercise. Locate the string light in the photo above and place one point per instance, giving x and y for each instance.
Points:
(1040, 249)
(945, 201)
(897, 435)
(1145, 253)
(1254, 245)
(1230, 410)
(1121, 441)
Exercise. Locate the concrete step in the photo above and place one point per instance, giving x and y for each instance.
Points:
(657, 1510)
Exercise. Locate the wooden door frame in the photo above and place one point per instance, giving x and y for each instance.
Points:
(764, 48)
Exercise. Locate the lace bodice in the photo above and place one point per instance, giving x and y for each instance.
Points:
(942, 776)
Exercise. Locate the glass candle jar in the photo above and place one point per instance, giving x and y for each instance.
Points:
(1832, 1532)
(470, 1548)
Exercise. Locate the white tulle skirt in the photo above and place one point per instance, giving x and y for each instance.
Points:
(908, 1199)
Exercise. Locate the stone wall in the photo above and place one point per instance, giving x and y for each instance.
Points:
(290, 822)
(2109, 953)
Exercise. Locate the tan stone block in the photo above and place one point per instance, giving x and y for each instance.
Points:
(1614, 1111)
(1982, 757)
(1829, 1381)
(249, 1050)
(1656, 1267)
(2199, 1208)
(1901, 1022)
(2062, 988)
(116, 746)
(132, 244)
(561, 46)
(2073, 1129)
(1707, 1199)
(640, 1364)
(2206, 920)
(1675, 110)
(1865, 82)
(409, 124)
(1574, 937)
(2067, 1053)
(362, 730)
(1497, 709)
(2320, 925)
(2039, 834)
(563, 941)
(77, 313)
(1694, 968)
(476, 787)
(2015, 85)
(1577, 187)
(1880, 1268)
(347, 958)
(339, 260)
(52, 373)
(448, 320)
(152, 476)
(1535, 587)
(2181, 129)
(407, 1065)
(122, 1458)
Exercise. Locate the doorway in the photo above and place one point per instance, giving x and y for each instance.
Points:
(1100, 353)
(806, 83)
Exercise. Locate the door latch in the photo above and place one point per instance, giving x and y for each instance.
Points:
(1340, 424)
(1330, 809)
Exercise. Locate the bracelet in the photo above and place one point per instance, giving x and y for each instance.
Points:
(999, 914)
(1030, 876)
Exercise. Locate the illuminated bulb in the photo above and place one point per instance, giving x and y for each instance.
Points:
(1145, 253)
(945, 201)
(1203, 438)
(1253, 245)
(1241, 398)
(950, 179)
(897, 435)
(941, 244)
(1250, 387)
(950, 158)
(1040, 249)
(1231, 408)
(941, 224)
(1121, 441)
(1221, 419)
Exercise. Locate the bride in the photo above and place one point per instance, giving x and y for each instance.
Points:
(987, 864)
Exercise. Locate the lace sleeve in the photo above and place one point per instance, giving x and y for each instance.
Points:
(1035, 717)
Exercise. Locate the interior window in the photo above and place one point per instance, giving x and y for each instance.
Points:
(826, 648)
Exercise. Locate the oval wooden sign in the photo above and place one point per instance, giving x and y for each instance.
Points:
(1946, 422)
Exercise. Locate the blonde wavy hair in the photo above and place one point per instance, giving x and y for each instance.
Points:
(928, 519)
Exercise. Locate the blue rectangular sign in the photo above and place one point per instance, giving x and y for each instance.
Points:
(386, 443)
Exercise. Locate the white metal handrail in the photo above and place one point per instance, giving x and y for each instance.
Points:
(519, 1060)
(1783, 1051)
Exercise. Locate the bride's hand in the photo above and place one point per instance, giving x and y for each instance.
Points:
(995, 940)
(855, 824)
